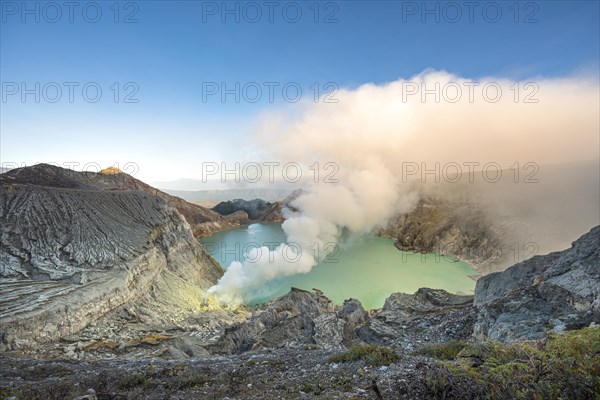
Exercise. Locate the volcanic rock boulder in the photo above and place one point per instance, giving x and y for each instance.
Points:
(427, 316)
(558, 291)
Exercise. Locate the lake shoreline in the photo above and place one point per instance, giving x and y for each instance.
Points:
(369, 270)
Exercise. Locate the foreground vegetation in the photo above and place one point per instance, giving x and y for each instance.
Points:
(565, 366)
(371, 355)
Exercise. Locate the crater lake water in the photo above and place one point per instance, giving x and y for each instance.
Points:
(368, 269)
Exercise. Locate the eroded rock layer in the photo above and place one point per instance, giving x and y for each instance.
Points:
(69, 256)
(557, 291)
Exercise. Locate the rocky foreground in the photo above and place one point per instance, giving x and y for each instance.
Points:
(266, 374)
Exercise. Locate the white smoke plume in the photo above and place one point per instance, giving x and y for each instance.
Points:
(375, 130)
(324, 212)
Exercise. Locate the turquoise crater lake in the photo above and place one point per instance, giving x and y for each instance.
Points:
(369, 269)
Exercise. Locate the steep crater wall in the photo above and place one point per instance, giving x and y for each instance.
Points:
(69, 256)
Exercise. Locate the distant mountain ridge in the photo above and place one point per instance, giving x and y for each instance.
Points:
(202, 220)
(254, 208)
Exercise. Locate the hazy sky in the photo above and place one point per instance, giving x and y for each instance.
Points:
(173, 58)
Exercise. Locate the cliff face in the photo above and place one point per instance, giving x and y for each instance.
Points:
(453, 228)
(72, 252)
(557, 291)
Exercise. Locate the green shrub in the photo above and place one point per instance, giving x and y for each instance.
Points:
(437, 382)
(372, 355)
(565, 366)
(136, 380)
(190, 380)
(43, 391)
(443, 351)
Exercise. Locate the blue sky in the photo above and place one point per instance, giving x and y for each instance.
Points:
(171, 50)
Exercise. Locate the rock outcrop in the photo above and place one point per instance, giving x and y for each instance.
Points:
(298, 319)
(558, 291)
(73, 250)
(452, 228)
(303, 319)
(427, 316)
(248, 211)
(274, 212)
(254, 208)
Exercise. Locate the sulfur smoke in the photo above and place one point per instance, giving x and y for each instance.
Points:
(385, 138)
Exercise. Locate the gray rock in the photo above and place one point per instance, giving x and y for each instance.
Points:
(329, 331)
(190, 346)
(77, 253)
(173, 353)
(253, 208)
(288, 321)
(91, 395)
(557, 291)
(427, 316)
(302, 318)
(353, 312)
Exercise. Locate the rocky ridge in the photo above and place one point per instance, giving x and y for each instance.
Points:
(72, 253)
(303, 318)
(203, 221)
